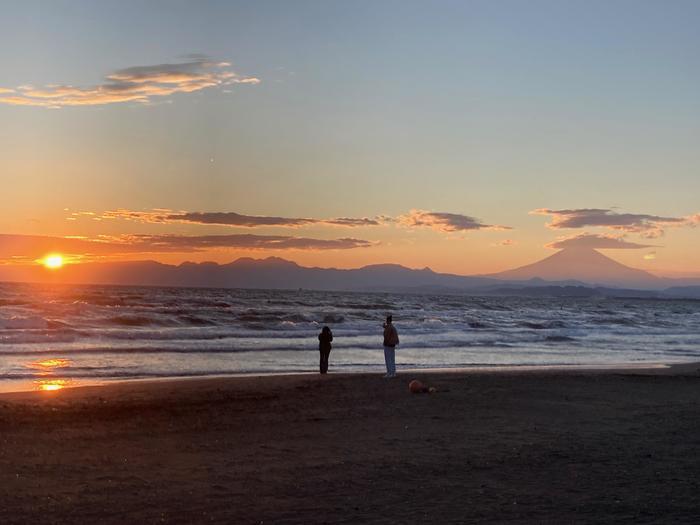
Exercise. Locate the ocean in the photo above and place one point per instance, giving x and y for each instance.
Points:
(52, 336)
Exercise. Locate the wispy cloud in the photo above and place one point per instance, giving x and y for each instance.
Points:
(236, 219)
(351, 222)
(29, 247)
(596, 241)
(177, 243)
(445, 222)
(650, 226)
(164, 216)
(139, 83)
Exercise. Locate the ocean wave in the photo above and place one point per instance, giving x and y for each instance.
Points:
(38, 337)
(132, 322)
(205, 333)
(23, 323)
(13, 302)
(613, 321)
(534, 325)
(196, 321)
(140, 320)
(97, 300)
(369, 306)
(559, 338)
(306, 344)
(261, 316)
(129, 350)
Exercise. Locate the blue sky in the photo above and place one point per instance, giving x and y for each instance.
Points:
(488, 109)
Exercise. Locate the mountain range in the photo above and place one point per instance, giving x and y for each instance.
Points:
(571, 272)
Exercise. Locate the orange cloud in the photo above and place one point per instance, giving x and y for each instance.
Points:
(165, 216)
(445, 222)
(649, 226)
(595, 241)
(140, 84)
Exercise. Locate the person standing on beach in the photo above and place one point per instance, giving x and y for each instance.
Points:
(324, 347)
(391, 339)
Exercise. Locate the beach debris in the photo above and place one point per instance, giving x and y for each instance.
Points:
(418, 387)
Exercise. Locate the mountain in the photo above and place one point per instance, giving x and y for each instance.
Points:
(586, 265)
(270, 273)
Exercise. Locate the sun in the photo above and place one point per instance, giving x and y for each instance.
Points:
(53, 261)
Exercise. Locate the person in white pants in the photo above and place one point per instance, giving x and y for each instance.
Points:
(391, 339)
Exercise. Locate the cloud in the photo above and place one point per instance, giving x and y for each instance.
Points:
(139, 84)
(236, 219)
(179, 243)
(445, 222)
(164, 216)
(155, 216)
(594, 241)
(650, 226)
(30, 247)
(649, 256)
(352, 222)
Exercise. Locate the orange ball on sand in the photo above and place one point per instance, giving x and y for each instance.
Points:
(417, 387)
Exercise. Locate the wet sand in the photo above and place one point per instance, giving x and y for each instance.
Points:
(551, 446)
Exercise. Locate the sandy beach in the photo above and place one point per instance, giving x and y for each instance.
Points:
(552, 446)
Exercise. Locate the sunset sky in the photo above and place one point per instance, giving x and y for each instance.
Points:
(467, 136)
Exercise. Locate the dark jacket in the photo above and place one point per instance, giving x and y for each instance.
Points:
(391, 336)
(324, 340)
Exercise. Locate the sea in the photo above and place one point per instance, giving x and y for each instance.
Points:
(56, 336)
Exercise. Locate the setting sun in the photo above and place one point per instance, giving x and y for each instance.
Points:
(53, 261)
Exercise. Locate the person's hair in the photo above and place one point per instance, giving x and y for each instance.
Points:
(325, 329)
(389, 319)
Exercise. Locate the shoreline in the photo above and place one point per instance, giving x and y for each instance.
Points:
(650, 368)
(38, 384)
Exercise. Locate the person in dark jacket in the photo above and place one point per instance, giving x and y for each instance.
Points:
(324, 347)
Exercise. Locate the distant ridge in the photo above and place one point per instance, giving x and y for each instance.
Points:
(270, 273)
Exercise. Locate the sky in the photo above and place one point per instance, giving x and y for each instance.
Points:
(470, 137)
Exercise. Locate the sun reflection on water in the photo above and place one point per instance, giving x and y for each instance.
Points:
(46, 369)
(48, 385)
(49, 366)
